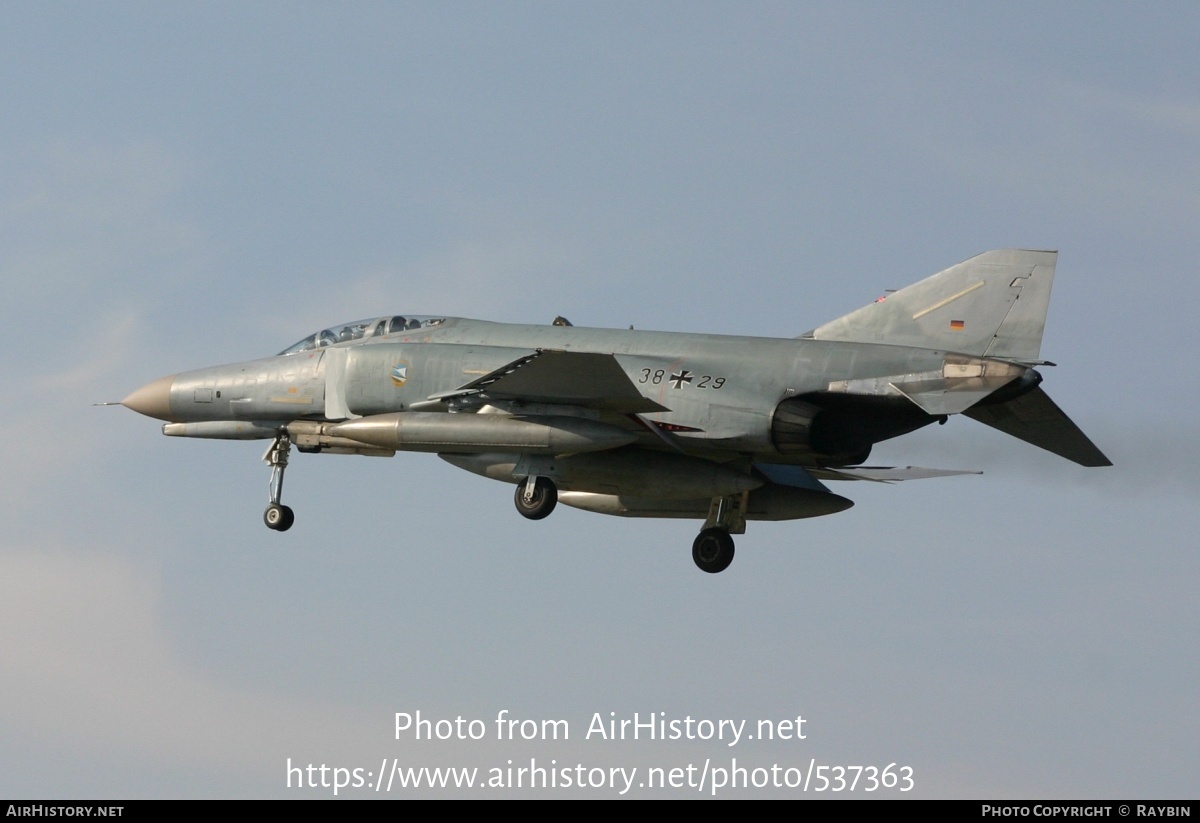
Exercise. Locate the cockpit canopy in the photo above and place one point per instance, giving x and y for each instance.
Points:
(362, 329)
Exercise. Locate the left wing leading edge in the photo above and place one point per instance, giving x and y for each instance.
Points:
(593, 381)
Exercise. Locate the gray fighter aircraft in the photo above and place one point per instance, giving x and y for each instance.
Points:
(652, 424)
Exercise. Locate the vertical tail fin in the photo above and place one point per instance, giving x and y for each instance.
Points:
(993, 305)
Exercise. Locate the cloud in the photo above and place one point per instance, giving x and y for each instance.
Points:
(87, 661)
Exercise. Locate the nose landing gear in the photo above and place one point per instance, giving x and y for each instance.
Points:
(278, 517)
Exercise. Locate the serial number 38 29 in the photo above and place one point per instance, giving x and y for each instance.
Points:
(681, 378)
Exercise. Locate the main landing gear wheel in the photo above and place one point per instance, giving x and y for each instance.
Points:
(279, 518)
(536, 497)
(713, 550)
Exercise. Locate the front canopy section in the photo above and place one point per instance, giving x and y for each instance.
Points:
(362, 329)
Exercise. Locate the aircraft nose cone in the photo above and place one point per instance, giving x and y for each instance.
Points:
(152, 399)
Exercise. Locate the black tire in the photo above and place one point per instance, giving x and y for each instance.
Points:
(545, 498)
(279, 518)
(713, 550)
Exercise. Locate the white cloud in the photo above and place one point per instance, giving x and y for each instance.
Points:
(86, 660)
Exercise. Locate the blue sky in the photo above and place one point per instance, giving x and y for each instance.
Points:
(206, 183)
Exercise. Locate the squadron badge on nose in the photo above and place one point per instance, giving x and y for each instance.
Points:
(400, 373)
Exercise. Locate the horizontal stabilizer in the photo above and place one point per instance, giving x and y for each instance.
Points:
(1034, 418)
(993, 305)
(888, 474)
(594, 381)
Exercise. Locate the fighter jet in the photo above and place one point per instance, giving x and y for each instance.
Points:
(722, 429)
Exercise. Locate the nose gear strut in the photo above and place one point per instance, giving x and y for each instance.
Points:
(277, 516)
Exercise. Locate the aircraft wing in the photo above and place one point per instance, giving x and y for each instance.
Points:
(797, 477)
(1034, 418)
(888, 474)
(594, 381)
(809, 477)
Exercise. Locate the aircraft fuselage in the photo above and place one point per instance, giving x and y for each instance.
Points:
(652, 424)
(718, 391)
